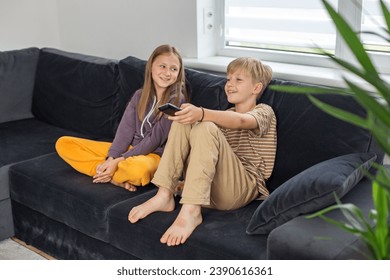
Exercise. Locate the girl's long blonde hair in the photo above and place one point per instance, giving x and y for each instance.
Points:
(148, 91)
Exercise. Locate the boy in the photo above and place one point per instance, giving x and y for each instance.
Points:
(226, 155)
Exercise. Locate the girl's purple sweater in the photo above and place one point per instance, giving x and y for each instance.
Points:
(129, 132)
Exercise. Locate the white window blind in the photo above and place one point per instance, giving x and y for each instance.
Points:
(297, 25)
(374, 22)
(291, 31)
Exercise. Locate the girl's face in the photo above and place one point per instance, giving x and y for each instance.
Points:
(165, 69)
(240, 88)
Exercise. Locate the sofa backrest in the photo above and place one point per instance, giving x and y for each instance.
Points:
(77, 92)
(204, 89)
(307, 135)
(89, 94)
(17, 74)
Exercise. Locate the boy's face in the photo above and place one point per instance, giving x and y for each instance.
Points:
(240, 89)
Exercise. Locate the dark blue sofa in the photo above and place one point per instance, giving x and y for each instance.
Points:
(46, 93)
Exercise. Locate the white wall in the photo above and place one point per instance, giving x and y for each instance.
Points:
(117, 28)
(108, 28)
(27, 23)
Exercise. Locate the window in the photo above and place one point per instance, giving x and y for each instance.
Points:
(373, 21)
(292, 30)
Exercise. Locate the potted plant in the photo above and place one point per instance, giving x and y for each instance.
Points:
(377, 121)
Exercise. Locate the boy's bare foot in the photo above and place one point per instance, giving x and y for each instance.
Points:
(189, 218)
(125, 185)
(162, 201)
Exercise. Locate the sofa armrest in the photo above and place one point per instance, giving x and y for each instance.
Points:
(303, 238)
(17, 76)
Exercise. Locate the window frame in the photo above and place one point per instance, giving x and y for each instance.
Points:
(351, 11)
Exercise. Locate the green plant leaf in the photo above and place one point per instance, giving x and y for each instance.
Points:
(339, 113)
(311, 90)
(377, 34)
(370, 103)
(381, 85)
(382, 226)
(386, 15)
(382, 138)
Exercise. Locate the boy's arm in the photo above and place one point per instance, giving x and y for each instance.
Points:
(226, 119)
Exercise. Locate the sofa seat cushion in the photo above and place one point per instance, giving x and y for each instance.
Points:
(25, 139)
(220, 236)
(50, 186)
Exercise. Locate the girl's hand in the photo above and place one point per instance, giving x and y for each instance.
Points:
(189, 114)
(106, 170)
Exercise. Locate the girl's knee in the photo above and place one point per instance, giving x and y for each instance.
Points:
(137, 171)
(61, 143)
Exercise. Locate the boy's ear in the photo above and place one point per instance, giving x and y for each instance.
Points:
(258, 88)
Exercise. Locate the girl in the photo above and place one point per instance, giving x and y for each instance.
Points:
(132, 158)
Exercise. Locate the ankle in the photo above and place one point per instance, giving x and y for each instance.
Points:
(164, 192)
(192, 209)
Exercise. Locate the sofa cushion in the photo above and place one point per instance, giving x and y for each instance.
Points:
(50, 186)
(220, 236)
(204, 89)
(17, 75)
(77, 92)
(308, 239)
(207, 90)
(307, 135)
(310, 190)
(132, 73)
(25, 139)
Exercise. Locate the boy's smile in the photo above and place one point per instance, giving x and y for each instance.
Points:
(240, 89)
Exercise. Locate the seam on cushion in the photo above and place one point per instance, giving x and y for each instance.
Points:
(298, 204)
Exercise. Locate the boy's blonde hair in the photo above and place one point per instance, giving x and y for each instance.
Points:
(260, 72)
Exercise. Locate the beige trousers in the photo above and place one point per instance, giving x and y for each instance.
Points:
(214, 175)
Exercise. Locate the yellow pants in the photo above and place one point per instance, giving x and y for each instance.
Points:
(85, 155)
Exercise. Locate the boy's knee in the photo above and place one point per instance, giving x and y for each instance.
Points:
(204, 129)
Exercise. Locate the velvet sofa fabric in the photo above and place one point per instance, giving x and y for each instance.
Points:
(61, 212)
(70, 197)
(322, 241)
(313, 189)
(17, 75)
(59, 240)
(21, 140)
(220, 236)
(307, 135)
(77, 92)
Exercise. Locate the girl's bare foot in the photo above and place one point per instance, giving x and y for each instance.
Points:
(125, 185)
(189, 218)
(162, 201)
